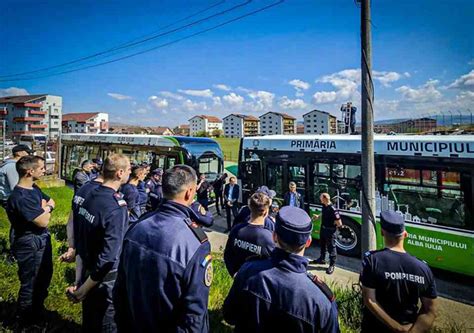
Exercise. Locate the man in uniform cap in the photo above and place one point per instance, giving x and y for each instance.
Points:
(155, 194)
(258, 300)
(393, 282)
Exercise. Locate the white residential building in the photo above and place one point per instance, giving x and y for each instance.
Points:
(31, 114)
(204, 123)
(277, 123)
(319, 122)
(240, 125)
(91, 122)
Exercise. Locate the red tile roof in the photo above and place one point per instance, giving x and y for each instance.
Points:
(211, 119)
(284, 115)
(20, 99)
(79, 117)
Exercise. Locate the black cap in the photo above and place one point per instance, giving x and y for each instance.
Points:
(19, 148)
(293, 225)
(98, 161)
(392, 222)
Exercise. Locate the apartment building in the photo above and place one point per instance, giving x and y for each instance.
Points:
(319, 122)
(203, 123)
(31, 114)
(277, 123)
(92, 122)
(240, 125)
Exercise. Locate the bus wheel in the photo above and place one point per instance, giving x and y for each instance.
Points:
(348, 239)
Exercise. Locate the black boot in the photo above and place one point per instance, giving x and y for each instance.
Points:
(319, 261)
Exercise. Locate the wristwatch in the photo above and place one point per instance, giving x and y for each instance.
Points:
(51, 208)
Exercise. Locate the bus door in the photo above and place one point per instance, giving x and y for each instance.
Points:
(273, 179)
(250, 178)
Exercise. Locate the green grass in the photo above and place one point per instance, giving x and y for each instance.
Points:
(230, 148)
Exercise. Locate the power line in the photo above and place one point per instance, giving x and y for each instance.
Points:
(140, 40)
(156, 47)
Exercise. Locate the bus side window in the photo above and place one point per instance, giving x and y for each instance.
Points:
(171, 161)
(427, 196)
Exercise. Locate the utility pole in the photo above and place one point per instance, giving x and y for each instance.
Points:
(368, 168)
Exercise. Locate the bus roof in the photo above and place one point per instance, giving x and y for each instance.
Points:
(402, 145)
(139, 140)
(197, 146)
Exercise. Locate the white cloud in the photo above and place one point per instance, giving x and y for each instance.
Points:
(120, 97)
(346, 83)
(197, 93)
(386, 78)
(299, 86)
(217, 101)
(292, 104)
(324, 97)
(190, 106)
(13, 91)
(222, 87)
(171, 95)
(158, 102)
(233, 99)
(424, 93)
(262, 100)
(141, 111)
(407, 74)
(465, 82)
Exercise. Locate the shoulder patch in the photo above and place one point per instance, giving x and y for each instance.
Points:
(197, 231)
(208, 274)
(368, 253)
(119, 198)
(322, 286)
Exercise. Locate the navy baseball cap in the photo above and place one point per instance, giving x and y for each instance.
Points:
(293, 225)
(265, 190)
(24, 148)
(392, 222)
(157, 171)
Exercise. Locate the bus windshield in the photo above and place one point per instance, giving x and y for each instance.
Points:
(209, 166)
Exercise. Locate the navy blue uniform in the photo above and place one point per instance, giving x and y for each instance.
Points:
(164, 275)
(244, 217)
(32, 249)
(258, 300)
(142, 196)
(155, 194)
(247, 240)
(328, 232)
(99, 226)
(206, 220)
(400, 280)
(132, 196)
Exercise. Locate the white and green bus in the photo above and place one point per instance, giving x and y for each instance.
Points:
(203, 154)
(427, 179)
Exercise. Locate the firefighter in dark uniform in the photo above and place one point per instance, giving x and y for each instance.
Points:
(79, 197)
(29, 211)
(331, 220)
(155, 194)
(394, 283)
(99, 227)
(244, 212)
(165, 268)
(258, 300)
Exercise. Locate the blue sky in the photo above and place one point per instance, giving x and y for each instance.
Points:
(292, 58)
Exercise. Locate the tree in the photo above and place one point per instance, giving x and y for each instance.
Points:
(217, 133)
(201, 134)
